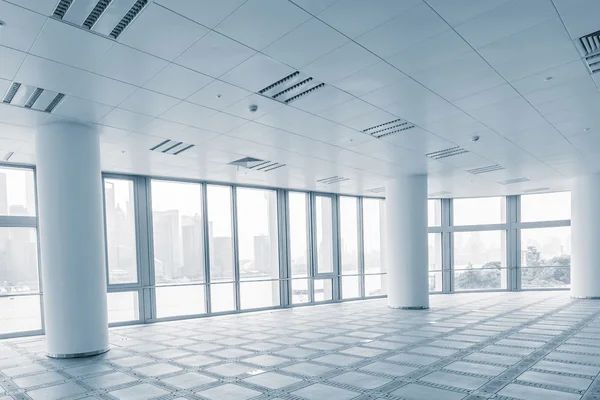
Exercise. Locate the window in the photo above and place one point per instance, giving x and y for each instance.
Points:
(546, 207)
(372, 234)
(323, 289)
(324, 234)
(220, 236)
(119, 205)
(258, 247)
(123, 307)
(479, 211)
(20, 301)
(178, 232)
(349, 247)
(298, 216)
(375, 285)
(480, 260)
(435, 262)
(546, 257)
(174, 301)
(434, 212)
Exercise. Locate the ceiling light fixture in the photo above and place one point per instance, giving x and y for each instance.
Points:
(548, 78)
(587, 129)
(475, 138)
(2, 23)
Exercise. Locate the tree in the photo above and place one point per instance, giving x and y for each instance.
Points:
(486, 277)
(550, 273)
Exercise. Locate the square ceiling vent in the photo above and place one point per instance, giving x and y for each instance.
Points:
(483, 170)
(388, 128)
(292, 87)
(449, 152)
(32, 97)
(590, 46)
(333, 179)
(257, 164)
(172, 147)
(106, 17)
(513, 181)
(380, 189)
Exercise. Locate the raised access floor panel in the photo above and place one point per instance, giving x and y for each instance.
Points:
(529, 345)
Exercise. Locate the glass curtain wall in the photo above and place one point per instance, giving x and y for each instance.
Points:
(349, 247)
(434, 216)
(20, 288)
(375, 275)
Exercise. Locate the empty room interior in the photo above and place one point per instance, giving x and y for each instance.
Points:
(299, 199)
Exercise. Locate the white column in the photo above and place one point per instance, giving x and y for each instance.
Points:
(585, 237)
(406, 242)
(71, 227)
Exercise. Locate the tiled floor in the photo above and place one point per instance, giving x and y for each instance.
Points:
(536, 345)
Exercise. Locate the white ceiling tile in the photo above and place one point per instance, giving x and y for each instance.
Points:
(44, 7)
(161, 127)
(322, 99)
(257, 72)
(356, 17)
(147, 102)
(508, 115)
(506, 20)
(188, 114)
(568, 89)
(4, 85)
(218, 95)
(10, 62)
(340, 63)
(128, 65)
(21, 116)
(434, 51)
(108, 134)
(308, 42)
(486, 97)
(369, 79)
(221, 122)
(21, 26)
(314, 6)
(456, 12)
(459, 77)
(258, 23)
(392, 93)
(418, 140)
(265, 106)
(348, 110)
(175, 34)
(70, 45)
(413, 26)
(124, 119)
(551, 77)
(214, 55)
(423, 109)
(192, 135)
(51, 75)
(85, 110)
(206, 12)
(456, 126)
(373, 118)
(531, 51)
(178, 81)
(580, 16)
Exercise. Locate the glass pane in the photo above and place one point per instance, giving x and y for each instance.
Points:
(375, 285)
(372, 233)
(324, 221)
(323, 289)
(172, 301)
(434, 212)
(298, 233)
(546, 207)
(435, 251)
(20, 314)
(546, 247)
(480, 250)
(259, 294)
(220, 237)
(178, 233)
(120, 231)
(300, 291)
(435, 281)
(257, 234)
(350, 287)
(349, 234)
(479, 211)
(222, 297)
(18, 260)
(123, 307)
(17, 192)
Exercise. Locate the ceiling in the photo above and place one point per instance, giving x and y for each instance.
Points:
(512, 73)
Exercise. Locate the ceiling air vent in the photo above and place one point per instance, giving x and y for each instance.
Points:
(483, 170)
(292, 87)
(257, 164)
(8, 155)
(106, 17)
(333, 179)
(590, 44)
(536, 190)
(377, 190)
(36, 98)
(450, 152)
(389, 128)
(439, 194)
(171, 147)
(515, 180)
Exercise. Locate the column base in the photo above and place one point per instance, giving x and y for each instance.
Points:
(409, 307)
(586, 297)
(78, 355)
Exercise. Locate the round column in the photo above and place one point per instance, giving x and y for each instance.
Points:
(585, 237)
(71, 229)
(406, 242)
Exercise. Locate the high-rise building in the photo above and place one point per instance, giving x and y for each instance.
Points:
(167, 243)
